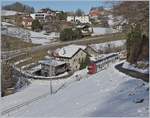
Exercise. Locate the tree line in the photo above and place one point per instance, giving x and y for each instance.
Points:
(137, 28)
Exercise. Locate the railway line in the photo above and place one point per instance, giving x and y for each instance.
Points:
(7, 55)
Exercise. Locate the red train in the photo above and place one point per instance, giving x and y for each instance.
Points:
(101, 63)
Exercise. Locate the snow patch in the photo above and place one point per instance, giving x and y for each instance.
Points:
(129, 66)
(102, 31)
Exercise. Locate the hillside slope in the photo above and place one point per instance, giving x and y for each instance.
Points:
(107, 93)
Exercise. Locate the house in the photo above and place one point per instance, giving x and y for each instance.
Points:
(48, 11)
(51, 67)
(81, 19)
(95, 13)
(70, 18)
(27, 21)
(91, 51)
(72, 54)
(42, 17)
(85, 29)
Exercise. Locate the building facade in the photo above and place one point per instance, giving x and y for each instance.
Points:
(91, 51)
(42, 17)
(81, 19)
(27, 21)
(72, 54)
(52, 67)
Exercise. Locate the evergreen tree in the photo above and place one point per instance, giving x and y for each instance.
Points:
(70, 34)
(36, 25)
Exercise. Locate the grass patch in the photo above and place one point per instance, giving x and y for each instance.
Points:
(102, 39)
(39, 55)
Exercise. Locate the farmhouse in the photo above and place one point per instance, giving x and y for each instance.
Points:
(27, 21)
(72, 54)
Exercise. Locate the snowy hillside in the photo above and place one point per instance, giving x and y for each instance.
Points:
(8, 13)
(107, 93)
(27, 35)
(41, 38)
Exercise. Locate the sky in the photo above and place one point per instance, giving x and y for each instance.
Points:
(65, 5)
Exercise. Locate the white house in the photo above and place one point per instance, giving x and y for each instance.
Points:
(70, 18)
(81, 19)
(39, 16)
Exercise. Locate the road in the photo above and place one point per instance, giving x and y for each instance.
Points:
(85, 41)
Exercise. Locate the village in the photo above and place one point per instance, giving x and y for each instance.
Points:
(49, 55)
(67, 59)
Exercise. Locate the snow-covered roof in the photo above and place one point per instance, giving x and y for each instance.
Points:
(70, 50)
(51, 62)
(102, 56)
(35, 68)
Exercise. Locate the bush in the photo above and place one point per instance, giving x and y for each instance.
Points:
(84, 63)
(36, 25)
(70, 34)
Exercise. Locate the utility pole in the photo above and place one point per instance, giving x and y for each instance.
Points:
(51, 88)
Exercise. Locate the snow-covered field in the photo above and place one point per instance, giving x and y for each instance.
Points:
(107, 93)
(10, 30)
(27, 35)
(103, 30)
(41, 38)
(35, 89)
(8, 13)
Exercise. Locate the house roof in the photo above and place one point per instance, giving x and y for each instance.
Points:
(93, 48)
(102, 57)
(51, 62)
(70, 50)
(95, 13)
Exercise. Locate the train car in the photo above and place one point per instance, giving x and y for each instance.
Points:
(101, 63)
